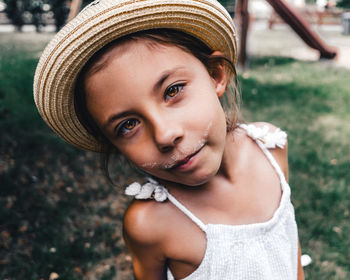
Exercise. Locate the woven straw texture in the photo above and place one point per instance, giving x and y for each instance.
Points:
(102, 22)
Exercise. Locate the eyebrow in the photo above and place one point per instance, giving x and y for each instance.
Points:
(114, 117)
(165, 75)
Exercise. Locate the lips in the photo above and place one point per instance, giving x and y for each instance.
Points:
(185, 162)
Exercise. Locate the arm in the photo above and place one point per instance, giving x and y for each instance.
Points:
(283, 161)
(300, 268)
(281, 156)
(143, 239)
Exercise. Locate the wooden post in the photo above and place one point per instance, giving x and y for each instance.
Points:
(74, 9)
(242, 12)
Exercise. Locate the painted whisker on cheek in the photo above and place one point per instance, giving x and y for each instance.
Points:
(206, 132)
(180, 153)
(174, 158)
(150, 165)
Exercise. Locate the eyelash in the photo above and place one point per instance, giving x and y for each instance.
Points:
(179, 88)
(122, 126)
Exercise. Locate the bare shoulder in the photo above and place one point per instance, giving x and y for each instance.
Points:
(141, 222)
(144, 234)
(280, 154)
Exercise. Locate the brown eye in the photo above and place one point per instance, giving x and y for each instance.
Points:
(172, 91)
(127, 126)
(130, 124)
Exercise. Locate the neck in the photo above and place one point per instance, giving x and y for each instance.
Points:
(227, 168)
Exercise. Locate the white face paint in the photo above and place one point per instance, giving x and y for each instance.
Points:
(181, 153)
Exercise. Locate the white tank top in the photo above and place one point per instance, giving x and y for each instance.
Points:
(267, 250)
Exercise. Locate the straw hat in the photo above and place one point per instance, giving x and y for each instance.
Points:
(102, 22)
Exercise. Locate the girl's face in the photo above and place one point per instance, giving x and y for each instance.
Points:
(160, 108)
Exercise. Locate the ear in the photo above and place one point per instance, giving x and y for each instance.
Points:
(219, 75)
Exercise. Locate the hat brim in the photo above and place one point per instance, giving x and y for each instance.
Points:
(101, 23)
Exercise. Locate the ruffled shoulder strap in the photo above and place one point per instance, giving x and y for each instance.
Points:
(153, 190)
(270, 139)
(267, 140)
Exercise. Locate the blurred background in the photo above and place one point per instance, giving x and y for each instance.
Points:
(61, 219)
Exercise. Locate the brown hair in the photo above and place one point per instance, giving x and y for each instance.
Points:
(189, 44)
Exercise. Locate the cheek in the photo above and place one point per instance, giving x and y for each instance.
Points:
(137, 155)
(216, 123)
(211, 115)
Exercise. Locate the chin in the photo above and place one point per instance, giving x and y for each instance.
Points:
(199, 179)
(193, 179)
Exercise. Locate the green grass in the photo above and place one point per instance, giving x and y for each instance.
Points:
(59, 214)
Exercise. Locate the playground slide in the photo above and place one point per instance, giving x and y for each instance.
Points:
(296, 21)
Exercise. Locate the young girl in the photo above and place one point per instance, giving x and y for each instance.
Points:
(145, 78)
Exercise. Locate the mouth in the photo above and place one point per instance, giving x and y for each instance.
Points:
(186, 162)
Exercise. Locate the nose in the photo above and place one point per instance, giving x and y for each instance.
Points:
(167, 134)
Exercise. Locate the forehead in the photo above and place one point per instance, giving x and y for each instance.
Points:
(139, 53)
(137, 63)
(117, 48)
